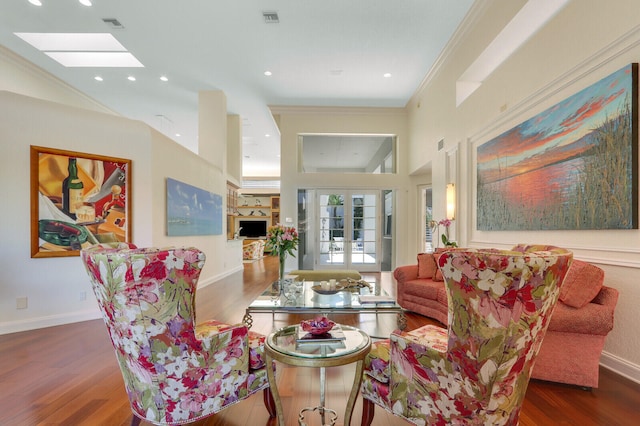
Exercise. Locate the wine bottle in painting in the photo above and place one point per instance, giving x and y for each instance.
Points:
(72, 188)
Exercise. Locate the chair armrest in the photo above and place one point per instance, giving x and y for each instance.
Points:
(607, 296)
(405, 273)
(402, 274)
(417, 356)
(415, 373)
(223, 343)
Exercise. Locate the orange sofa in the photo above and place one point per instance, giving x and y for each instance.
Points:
(571, 349)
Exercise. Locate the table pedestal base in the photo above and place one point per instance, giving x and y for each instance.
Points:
(333, 416)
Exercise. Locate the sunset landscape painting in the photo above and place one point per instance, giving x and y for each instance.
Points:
(572, 167)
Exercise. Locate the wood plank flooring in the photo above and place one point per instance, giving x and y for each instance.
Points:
(67, 375)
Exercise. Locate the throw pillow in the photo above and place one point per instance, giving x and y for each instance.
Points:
(582, 284)
(426, 265)
(438, 275)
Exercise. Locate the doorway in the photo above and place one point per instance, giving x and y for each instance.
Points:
(349, 234)
(427, 244)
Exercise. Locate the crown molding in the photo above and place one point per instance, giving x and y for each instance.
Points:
(600, 59)
(474, 14)
(322, 110)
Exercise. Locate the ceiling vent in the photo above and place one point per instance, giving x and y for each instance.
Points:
(270, 17)
(113, 23)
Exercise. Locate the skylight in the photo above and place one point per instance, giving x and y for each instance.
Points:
(82, 49)
(95, 42)
(95, 59)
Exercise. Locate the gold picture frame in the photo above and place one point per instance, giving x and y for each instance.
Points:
(77, 199)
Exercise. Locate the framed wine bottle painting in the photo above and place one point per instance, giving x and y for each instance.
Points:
(77, 200)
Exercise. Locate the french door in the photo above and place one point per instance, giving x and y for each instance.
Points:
(348, 224)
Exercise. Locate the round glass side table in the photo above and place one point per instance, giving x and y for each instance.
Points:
(287, 345)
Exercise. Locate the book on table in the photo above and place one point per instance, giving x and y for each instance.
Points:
(369, 298)
(334, 335)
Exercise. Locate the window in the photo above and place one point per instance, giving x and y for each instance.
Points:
(372, 154)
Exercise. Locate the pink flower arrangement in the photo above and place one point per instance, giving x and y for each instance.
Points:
(445, 236)
(282, 240)
(445, 222)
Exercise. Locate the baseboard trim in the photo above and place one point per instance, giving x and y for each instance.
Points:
(211, 280)
(620, 366)
(86, 315)
(48, 321)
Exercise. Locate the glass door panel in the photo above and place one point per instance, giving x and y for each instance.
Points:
(349, 230)
(331, 215)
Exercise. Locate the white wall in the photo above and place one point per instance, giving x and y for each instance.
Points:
(585, 42)
(53, 286)
(293, 121)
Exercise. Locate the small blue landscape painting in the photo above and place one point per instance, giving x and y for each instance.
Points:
(192, 211)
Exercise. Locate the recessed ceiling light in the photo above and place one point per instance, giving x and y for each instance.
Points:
(85, 2)
(178, 135)
(268, 73)
(35, 2)
(267, 135)
(98, 78)
(387, 75)
(131, 78)
(164, 78)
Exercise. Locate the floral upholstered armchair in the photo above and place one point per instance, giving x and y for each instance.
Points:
(174, 371)
(253, 250)
(477, 371)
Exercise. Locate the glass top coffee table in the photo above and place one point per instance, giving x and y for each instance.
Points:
(288, 345)
(307, 297)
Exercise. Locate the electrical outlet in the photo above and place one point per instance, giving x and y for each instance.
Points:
(83, 296)
(21, 302)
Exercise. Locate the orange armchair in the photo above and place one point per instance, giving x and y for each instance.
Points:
(174, 371)
(476, 371)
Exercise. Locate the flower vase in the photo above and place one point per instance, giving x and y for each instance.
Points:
(282, 262)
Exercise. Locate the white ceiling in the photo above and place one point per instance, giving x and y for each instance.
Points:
(321, 53)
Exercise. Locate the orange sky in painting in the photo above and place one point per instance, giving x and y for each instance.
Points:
(555, 135)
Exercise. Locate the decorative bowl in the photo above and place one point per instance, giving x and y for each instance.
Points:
(317, 326)
(318, 289)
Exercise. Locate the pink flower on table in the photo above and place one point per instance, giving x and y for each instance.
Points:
(282, 240)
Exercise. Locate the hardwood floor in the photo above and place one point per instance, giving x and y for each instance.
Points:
(67, 375)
